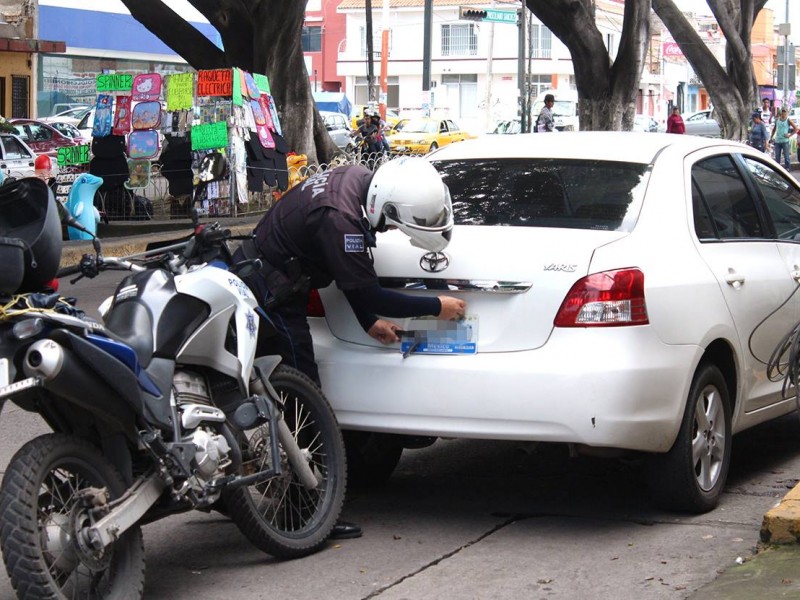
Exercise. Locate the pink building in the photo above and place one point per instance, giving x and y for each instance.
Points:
(323, 33)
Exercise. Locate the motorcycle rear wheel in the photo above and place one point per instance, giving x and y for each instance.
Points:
(280, 516)
(39, 549)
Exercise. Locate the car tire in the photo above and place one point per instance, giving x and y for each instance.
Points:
(371, 457)
(691, 476)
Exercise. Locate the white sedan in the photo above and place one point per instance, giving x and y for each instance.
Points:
(625, 292)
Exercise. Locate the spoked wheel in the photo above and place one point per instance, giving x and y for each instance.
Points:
(281, 516)
(40, 514)
(692, 475)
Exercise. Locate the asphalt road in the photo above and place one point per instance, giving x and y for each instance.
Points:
(477, 519)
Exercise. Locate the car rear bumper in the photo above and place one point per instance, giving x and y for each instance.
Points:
(612, 387)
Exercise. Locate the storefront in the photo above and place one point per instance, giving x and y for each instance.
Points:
(99, 39)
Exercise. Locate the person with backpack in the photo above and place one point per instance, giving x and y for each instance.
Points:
(545, 123)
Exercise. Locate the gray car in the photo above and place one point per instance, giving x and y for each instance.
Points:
(339, 129)
(702, 123)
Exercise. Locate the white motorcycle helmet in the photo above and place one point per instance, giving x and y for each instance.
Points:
(408, 193)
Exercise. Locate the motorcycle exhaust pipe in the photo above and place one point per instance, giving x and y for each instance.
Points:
(67, 377)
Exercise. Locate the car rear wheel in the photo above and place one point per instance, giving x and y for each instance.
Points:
(691, 476)
(371, 457)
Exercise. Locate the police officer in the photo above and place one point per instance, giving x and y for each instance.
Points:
(322, 230)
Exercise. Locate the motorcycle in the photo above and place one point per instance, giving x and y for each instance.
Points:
(162, 408)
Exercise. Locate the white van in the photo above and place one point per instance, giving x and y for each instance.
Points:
(565, 110)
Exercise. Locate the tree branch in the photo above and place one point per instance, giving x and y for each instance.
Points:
(233, 19)
(163, 22)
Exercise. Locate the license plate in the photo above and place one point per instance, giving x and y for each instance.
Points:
(432, 336)
(13, 388)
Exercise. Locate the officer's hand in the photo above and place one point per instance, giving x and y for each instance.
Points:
(384, 331)
(452, 308)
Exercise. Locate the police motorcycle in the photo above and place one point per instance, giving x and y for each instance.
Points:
(162, 408)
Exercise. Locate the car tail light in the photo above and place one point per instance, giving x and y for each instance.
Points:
(611, 298)
(315, 307)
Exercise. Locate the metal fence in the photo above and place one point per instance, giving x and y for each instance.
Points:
(155, 201)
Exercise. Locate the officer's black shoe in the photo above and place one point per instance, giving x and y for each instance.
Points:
(344, 530)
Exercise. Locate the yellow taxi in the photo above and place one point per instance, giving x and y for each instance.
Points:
(423, 135)
(358, 113)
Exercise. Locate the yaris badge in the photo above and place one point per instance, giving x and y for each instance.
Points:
(433, 262)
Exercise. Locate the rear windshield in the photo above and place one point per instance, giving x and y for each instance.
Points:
(574, 194)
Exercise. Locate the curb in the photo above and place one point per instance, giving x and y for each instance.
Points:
(781, 524)
(133, 244)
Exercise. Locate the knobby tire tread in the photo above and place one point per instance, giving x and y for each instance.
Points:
(19, 533)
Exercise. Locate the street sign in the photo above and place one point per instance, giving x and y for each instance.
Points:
(489, 14)
(501, 16)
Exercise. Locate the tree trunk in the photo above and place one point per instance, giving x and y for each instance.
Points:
(606, 91)
(733, 92)
(260, 36)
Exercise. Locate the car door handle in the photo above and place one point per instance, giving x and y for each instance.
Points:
(734, 279)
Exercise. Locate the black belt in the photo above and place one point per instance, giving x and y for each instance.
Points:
(284, 286)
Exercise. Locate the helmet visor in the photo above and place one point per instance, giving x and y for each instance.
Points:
(440, 221)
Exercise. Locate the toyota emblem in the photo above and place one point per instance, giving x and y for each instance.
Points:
(433, 262)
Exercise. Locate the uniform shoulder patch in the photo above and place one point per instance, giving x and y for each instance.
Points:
(353, 242)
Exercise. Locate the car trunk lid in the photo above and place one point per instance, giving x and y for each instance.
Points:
(513, 280)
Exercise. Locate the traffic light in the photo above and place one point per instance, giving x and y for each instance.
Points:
(473, 14)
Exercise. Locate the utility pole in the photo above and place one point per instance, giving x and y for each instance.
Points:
(489, 76)
(370, 61)
(523, 122)
(384, 59)
(786, 63)
(427, 100)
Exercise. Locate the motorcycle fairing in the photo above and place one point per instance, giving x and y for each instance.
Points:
(158, 325)
(232, 318)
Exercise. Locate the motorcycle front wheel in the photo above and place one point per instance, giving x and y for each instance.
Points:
(39, 513)
(280, 516)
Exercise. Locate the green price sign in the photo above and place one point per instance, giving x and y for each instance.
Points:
(210, 136)
(73, 155)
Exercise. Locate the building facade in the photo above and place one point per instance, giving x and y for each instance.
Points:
(20, 45)
(100, 37)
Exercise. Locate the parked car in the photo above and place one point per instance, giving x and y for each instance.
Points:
(17, 159)
(702, 123)
(72, 116)
(422, 135)
(624, 301)
(69, 130)
(42, 137)
(339, 129)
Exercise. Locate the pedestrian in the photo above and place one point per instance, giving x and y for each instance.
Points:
(782, 131)
(758, 133)
(545, 122)
(767, 114)
(322, 231)
(675, 122)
